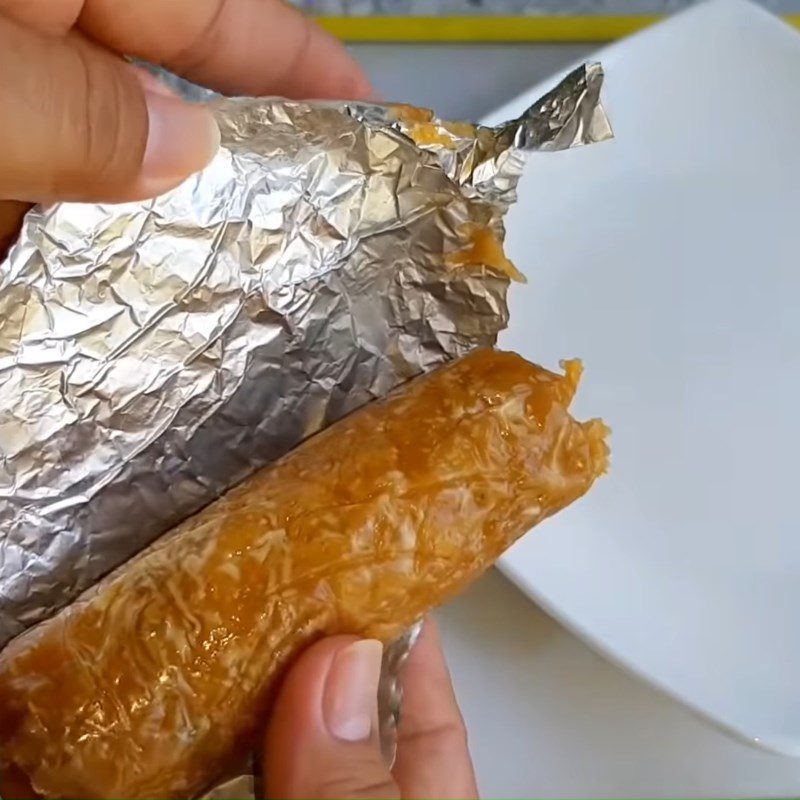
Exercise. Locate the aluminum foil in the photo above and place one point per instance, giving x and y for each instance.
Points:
(153, 354)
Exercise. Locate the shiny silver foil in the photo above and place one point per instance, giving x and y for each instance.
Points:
(153, 354)
(390, 692)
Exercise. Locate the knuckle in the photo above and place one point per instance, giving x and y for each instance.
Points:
(300, 50)
(202, 45)
(452, 735)
(105, 152)
(362, 777)
(339, 789)
(205, 48)
(449, 736)
(102, 131)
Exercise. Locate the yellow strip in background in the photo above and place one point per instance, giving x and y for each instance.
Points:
(556, 28)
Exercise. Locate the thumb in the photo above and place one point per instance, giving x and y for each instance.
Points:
(79, 123)
(322, 740)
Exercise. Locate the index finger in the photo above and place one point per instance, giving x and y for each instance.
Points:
(432, 755)
(252, 47)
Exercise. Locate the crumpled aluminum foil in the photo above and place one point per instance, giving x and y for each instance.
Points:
(153, 354)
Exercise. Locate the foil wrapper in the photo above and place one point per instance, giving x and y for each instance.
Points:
(153, 354)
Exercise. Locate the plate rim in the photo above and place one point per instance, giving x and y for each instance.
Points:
(508, 564)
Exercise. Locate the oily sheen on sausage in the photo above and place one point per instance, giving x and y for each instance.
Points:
(147, 685)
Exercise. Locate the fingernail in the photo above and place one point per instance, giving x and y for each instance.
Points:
(182, 139)
(350, 699)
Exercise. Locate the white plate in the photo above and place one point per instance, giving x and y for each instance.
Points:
(669, 260)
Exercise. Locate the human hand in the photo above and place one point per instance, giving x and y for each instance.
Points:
(79, 123)
(322, 740)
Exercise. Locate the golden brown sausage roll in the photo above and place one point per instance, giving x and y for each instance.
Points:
(145, 686)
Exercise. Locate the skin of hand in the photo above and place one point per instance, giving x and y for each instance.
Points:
(80, 123)
(322, 739)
